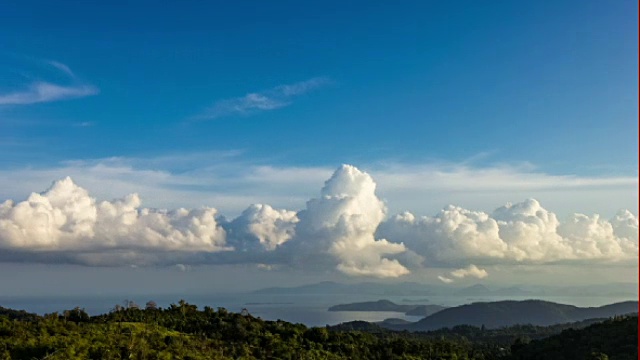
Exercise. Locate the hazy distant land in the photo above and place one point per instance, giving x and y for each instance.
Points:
(621, 289)
(386, 305)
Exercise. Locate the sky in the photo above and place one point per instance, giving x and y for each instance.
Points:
(439, 142)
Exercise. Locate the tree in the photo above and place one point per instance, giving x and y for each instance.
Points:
(76, 315)
(520, 343)
(130, 304)
(151, 305)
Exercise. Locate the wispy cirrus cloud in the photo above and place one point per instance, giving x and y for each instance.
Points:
(62, 67)
(274, 98)
(45, 91)
(84, 124)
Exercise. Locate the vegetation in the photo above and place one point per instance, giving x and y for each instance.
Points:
(502, 336)
(181, 331)
(615, 339)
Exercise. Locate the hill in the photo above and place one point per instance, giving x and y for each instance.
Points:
(615, 339)
(181, 331)
(503, 337)
(506, 313)
(425, 310)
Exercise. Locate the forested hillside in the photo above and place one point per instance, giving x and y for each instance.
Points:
(181, 331)
(615, 339)
(184, 332)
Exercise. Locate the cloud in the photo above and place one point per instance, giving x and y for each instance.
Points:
(230, 182)
(265, 267)
(66, 219)
(84, 124)
(346, 228)
(336, 229)
(275, 98)
(342, 222)
(515, 233)
(443, 183)
(214, 178)
(470, 271)
(261, 227)
(445, 279)
(62, 67)
(44, 91)
(182, 267)
(301, 87)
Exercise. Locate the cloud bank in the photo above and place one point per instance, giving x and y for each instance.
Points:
(274, 98)
(229, 182)
(346, 228)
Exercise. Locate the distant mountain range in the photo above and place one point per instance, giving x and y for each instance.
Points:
(386, 305)
(506, 313)
(481, 290)
(417, 289)
(369, 288)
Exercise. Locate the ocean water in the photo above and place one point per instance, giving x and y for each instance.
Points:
(311, 310)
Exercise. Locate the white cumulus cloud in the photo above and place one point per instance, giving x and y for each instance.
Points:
(342, 222)
(65, 218)
(261, 227)
(515, 233)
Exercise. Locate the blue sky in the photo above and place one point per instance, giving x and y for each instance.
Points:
(545, 82)
(226, 104)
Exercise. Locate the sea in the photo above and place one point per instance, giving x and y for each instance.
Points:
(307, 309)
